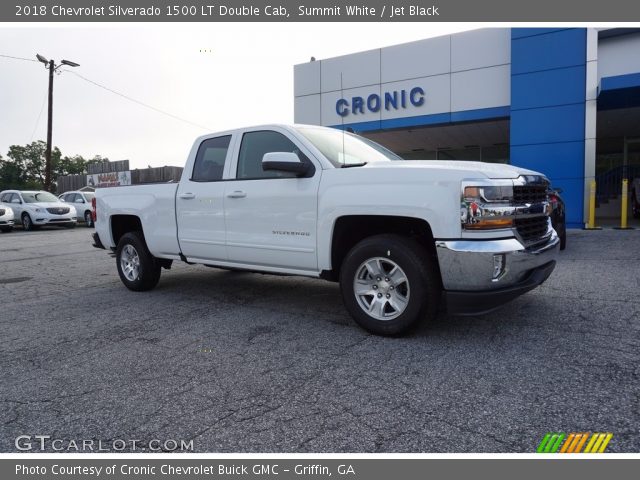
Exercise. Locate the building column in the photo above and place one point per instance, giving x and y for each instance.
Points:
(591, 116)
(548, 109)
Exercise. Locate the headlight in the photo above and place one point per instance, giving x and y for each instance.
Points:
(486, 207)
(8, 211)
(495, 194)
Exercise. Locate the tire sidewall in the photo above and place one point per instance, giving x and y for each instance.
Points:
(149, 271)
(89, 222)
(394, 250)
(27, 223)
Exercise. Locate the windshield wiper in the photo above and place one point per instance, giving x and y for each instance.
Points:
(349, 165)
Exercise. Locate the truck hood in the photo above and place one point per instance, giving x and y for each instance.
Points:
(470, 169)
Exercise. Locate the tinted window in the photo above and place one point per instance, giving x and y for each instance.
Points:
(255, 145)
(209, 163)
(6, 198)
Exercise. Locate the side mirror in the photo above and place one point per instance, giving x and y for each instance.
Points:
(285, 162)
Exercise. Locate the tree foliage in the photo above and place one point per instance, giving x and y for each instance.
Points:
(25, 166)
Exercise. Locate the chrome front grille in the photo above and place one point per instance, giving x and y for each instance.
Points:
(529, 194)
(58, 210)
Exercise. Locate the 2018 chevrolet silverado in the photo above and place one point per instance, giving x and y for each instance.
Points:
(400, 236)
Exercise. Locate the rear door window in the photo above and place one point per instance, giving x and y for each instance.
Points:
(209, 164)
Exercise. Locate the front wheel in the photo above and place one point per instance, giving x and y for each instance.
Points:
(88, 219)
(138, 269)
(27, 224)
(389, 283)
(635, 204)
(563, 237)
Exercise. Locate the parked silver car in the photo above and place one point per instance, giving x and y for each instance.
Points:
(6, 218)
(82, 203)
(36, 208)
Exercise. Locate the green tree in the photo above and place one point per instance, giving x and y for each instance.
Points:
(25, 166)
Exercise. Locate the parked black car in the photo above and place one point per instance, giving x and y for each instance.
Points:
(558, 216)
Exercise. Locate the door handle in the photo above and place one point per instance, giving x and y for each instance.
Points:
(237, 194)
(187, 196)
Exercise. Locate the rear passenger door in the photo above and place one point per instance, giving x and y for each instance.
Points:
(200, 202)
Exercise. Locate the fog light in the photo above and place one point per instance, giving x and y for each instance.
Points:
(499, 265)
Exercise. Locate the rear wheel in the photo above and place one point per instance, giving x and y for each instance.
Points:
(138, 269)
(389, 283)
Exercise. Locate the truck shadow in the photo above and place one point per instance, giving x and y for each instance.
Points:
(305, 297)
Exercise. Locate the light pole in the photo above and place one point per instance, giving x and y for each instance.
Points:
(52, 67)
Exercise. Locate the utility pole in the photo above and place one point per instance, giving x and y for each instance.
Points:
(47, 155)
(52, 67)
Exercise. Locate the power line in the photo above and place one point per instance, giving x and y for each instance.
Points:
(35, 127)
(138, 101)
(18, 58)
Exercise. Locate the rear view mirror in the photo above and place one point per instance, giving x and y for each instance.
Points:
(285, 162)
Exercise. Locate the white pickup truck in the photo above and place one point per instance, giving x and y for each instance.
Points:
(400, 236)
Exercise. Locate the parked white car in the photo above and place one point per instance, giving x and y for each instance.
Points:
(82, 203)
(6, 219)
(34, 208)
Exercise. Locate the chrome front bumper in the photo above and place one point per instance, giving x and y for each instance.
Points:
(480, 275)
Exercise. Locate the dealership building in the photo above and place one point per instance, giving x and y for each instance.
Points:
(565, 102)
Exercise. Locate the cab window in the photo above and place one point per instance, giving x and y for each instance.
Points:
(255, 145)
(209, 164)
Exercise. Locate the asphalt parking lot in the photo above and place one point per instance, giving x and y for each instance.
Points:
(241, 362)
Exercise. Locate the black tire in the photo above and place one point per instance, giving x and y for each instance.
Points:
(422, 283)
(148, 273)
(635, 204)
(563, 237)
(88, 219)
(27, 223)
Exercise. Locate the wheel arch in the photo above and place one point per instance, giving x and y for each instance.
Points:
(121, 224)
(349, 230)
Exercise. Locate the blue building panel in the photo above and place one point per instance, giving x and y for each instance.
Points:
(620, 91)
(563, 164)
(530, 32)
(564, 123)
(548, 88)
(566, 48)
(548, 95)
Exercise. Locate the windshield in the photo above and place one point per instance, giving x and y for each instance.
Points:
(35, 197)
(342, 148)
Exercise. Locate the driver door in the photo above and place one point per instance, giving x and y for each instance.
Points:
(271, 216)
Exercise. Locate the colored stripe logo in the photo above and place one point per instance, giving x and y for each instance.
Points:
(574, 442)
